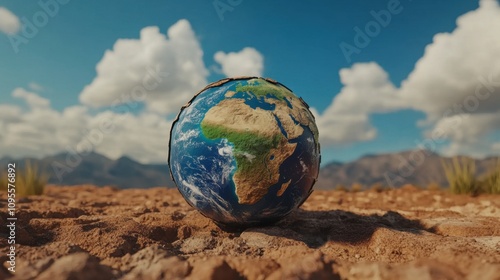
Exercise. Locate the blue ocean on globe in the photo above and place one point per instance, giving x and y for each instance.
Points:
(244, 151)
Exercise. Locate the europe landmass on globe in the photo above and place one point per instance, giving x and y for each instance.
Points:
(238, 146)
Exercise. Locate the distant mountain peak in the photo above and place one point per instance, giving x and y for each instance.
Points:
(69, 168)
(126, 159)
(417, 167)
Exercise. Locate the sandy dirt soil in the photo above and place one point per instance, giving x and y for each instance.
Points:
(85, 232)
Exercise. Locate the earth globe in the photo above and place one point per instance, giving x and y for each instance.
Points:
(244, 151)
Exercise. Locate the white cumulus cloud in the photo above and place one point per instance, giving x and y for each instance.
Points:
(143, 137)
(366, 90)
(32, 99)
(40, 131)
(162, 71)
(9, 22)
(247, 62)
(457, 64)
(466, 132)
(456, 83)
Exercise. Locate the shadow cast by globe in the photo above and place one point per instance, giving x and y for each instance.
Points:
(315, 228)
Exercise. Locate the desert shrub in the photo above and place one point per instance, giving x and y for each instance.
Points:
(3, 182)
(433, 187)
(461, 176)
(378, 187)
(29, 180)
(491, 182)
(341, 188)
(356, 187)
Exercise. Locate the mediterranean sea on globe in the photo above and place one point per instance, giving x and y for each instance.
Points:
(244, 151)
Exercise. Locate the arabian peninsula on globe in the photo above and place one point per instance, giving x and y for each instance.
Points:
(244, 151)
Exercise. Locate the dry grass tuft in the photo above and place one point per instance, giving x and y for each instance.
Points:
(461, 176)
(29, 180)
(491, 182)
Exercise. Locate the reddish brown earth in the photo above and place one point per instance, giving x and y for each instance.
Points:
(94, 233)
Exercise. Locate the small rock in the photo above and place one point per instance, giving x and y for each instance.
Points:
(145, 257)
(197, 244)
(184, 232)
(43, 264)
(214, 269)
(141, 209)
(314, 266)
(75, 203)
(177, 216)
(4, 273)
(255, 268)
(149, 204)
(266, 237)
(171, 268)
(30, 271)
(162, 204)
(78, 266)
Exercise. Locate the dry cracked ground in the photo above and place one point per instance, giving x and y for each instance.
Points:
(85, 232)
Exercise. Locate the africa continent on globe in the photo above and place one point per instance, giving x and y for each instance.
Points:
(244, 151)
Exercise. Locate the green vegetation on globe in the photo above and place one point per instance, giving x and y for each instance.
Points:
(244, 143)
(245, 151)
(260, 89)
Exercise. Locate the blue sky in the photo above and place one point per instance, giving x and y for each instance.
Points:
(295, 43)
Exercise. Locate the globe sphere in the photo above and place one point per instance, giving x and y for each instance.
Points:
(244, 151)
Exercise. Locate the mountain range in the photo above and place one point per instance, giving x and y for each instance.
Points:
(419, 167)
(96, 169)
